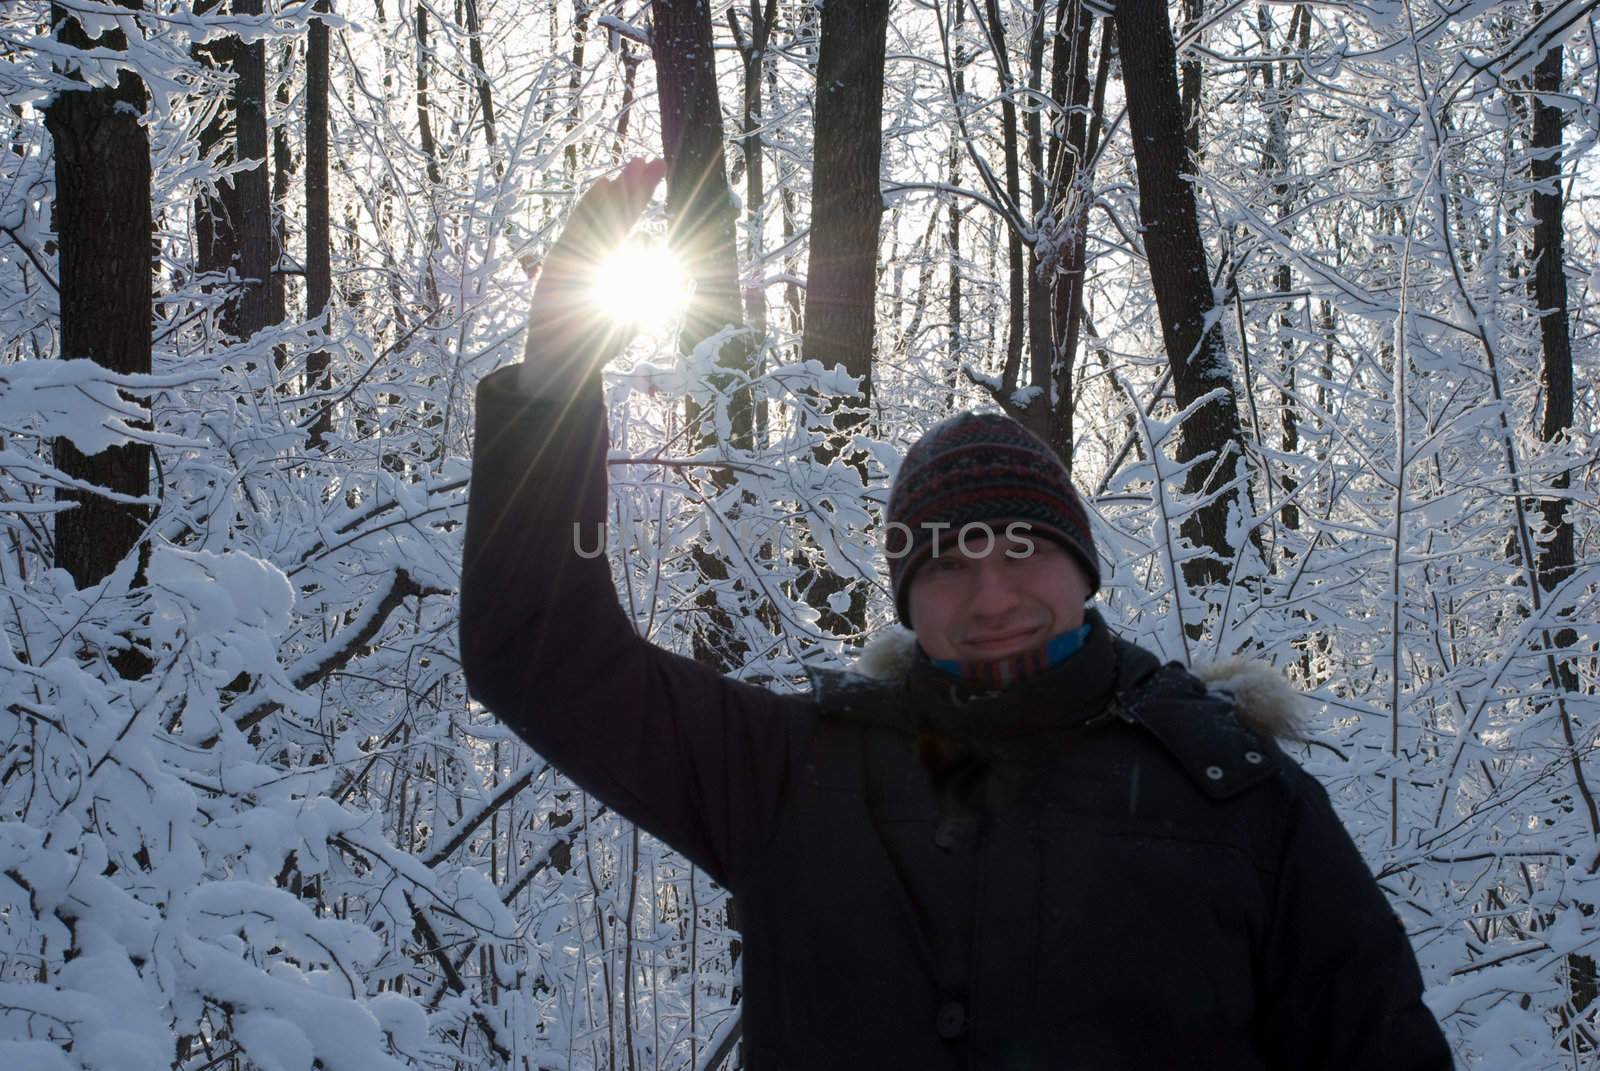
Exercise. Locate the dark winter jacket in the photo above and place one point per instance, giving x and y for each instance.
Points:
(1100, 867)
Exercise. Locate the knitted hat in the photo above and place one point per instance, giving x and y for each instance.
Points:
(980, 467)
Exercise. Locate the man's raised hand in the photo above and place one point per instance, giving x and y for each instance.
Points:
(568, 333)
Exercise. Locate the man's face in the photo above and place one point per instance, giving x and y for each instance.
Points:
(981, 604)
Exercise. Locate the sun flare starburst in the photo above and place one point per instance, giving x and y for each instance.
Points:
(642, 283)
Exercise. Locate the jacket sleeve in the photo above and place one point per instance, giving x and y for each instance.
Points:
(1342, 989)
(692, 757)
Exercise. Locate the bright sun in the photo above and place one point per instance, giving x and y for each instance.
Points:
(643, 284)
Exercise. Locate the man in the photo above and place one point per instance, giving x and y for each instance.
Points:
(1024, 843)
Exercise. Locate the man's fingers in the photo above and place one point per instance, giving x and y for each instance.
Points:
(606, 212)
(638, 181)
(625, 197)
(561, 319)
(612, 206)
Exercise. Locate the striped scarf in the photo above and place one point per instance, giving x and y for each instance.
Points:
(1000, 673)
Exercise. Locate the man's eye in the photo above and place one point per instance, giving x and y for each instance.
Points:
(949, 563)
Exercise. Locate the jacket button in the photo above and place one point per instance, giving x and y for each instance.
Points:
(1214, 772)
(951, 1021)
(946, 833)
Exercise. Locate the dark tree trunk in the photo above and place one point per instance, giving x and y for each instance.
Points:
(1193, 78)
(753, 50)
(430, 150)
(103, 240)
(699, 200)
(1074, 181)
(793, 300)
(580, 35)
(1277, 105)
(1557, 554)
(1041, 335)
(846, 213)
(1288, 420)
(1178, 273)
(216, 213)
(282, 169)
(1040, 297)
(319, 253)
(1016, 274)
(255, 200)
(704, 235)
(480, 78)
(922, 289)
(630, 81)
(846, 197)
(953, 339)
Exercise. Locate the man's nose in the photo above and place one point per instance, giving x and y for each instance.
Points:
(993, 590)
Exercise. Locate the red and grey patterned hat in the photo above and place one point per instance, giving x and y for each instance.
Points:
(978, 467)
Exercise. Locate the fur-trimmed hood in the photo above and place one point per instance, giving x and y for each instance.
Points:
(1266, 703)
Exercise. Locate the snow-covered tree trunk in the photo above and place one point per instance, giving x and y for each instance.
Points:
(847, 205)
(1016, 270)
(1190, 325)
(216, 207)
(753, 41)
(103, 229)
(1076, 99)
(699, 199)
(704, 235)
(254, 225)
(1556, 558)
(955, 331)
(319, 241)
(1549, 285)
(846, 215)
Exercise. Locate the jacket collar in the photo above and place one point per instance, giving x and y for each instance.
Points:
(1060, 696)
(1266, 703)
